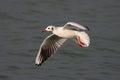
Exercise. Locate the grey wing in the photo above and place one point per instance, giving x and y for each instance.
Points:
(48, 47)
(75, 26)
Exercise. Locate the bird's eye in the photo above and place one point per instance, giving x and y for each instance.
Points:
(48, 28)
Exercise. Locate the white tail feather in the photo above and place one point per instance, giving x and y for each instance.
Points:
(84, 38)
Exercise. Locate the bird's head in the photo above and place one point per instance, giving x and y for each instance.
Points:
(49, 28)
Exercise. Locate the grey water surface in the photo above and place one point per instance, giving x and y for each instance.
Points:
(21, 22)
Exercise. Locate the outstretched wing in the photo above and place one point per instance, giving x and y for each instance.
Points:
(75, 26)
(48, 47)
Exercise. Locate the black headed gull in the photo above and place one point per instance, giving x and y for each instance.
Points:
(58, 37)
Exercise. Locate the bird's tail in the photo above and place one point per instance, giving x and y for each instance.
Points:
(82, 39)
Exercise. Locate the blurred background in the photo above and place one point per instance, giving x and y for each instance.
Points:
(21, 22)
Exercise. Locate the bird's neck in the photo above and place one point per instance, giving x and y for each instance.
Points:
(56, 29)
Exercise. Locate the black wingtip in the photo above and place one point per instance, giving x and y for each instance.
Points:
(38, 65)
(87, 27)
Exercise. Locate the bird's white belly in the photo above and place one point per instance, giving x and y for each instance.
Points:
(65, 33)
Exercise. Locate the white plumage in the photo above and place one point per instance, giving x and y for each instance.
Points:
(58, 37)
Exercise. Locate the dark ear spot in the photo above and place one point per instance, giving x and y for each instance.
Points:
(52, 28)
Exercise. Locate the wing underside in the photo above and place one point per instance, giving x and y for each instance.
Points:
(48, 47)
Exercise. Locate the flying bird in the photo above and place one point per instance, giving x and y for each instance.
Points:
(59, 36)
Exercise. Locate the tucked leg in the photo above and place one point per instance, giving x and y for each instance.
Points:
(79, 42)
